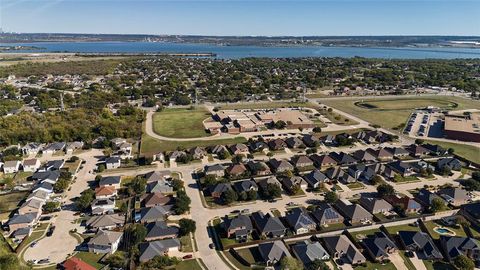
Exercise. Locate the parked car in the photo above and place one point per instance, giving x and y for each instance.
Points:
(33, 244)
(189, 256)
(50, 231)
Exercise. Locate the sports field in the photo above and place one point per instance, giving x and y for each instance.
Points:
(180, 123)
(390, 113)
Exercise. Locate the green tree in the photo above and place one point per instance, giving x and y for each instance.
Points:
(137, 186)
(138, 233)
(187, 226)
(385, 190)
(273, 191)
(251, 195)
(462, 262)
(116, 260)
(331, 197)
(229, 196)
(290, 263)
(61, 185)
(280, 124)
(160, 262)
(177, 184)
(85, 200)
(9, 262)
(182, 203)
(437, 204)
(209, 180)
(50, 206)
(317, 265)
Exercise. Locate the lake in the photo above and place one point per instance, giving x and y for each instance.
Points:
(234, 52)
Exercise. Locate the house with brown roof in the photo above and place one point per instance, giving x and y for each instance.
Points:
(277, 144)
(408, 204)
(236, 170)
(381, 154)
(280, 165)
(302, 162)
(323, 160)
(31, 165)
(31, 206)
(258, 168)
(417, 150)
(105, 192)
(239, 149)
(154, 199)
(75, 263)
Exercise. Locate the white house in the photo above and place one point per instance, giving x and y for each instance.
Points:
(31, 165)
(11, 166)
(105, 242)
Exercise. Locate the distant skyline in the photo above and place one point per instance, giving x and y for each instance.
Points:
(243, 17)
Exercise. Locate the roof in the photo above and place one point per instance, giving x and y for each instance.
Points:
(154, 213)
(75, 263)
(298, 218)
(342, 158)
(48, 175)
(343, 245)
(105, 191)
(455, 245)
(107, 220)
(109, 180)
(326, 212)
(245, 185)
(30, 162)
(322, 159)
(22, 219)
(105, 238)
(112, 160)
(378, 243)
(421, 242)
(456, 194)
(156, 198)
(267, 223)
(469, 124)
(239, 221)
(307, 251)
(315, 177)
(214, 168)
(157, 176)
(374, 204)
(159, 229)
(151, 249)
(273, 251)
(11, 164)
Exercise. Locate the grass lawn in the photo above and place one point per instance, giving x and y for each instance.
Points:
(152, 145)
(362, 234)
(10, 201)
(275, 212)
(372, 266)
(408, 263)
(469, 152)
(432, 224)
(407, 179)
(390, 113)
(186, 243)
(188, 265)
(181, 123)
(433, 265)
(407, 227)
(72, 166)
(251, 255)
(90, 258)
(333, 227)
(232, 260)
(356, 185)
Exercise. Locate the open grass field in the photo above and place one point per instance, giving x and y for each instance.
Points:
(393, 230)
(266, 105)
(180, 123)
(151, 145)
(432, 224)
(469, 152)
(188, 265)
(9, 202)
(390, 113)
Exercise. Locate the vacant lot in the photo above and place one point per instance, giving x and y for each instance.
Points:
(180, 123)
(9, 202)
(391, 113)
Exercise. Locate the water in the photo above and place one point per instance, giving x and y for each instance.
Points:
(234, 52)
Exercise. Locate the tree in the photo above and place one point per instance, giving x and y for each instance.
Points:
(61, 185)
(317, 129)
(182, 203)
(419, 141)
(209, 180)
(187, 226)
(177, 184)
(9, 262)
(223, 155)
(317, 265)
(273, 191)
(476, 175)
(237, 159)
(290, 263)
(331, 197)
(160, 262)
(270, 154)
(385, 190)
(446, 170)
(462, 262)
(229, 196)
(85, 200)
(251, 195)
(437, 204)
(138, 233)
(376, 179)
(280, 124)
(137, 186)
(116, 260)
(50, 206)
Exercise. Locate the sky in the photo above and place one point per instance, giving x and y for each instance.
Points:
(243, 17)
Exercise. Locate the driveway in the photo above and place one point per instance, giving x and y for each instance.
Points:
(397, 260)
(419, 265)
(61, 244)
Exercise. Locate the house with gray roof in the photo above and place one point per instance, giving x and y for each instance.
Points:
(198, 152)
(308, 251)
(364, 155)
(343, 158)
(155, 176)
(263, 182)
(245, 186)
(11, 166)
(452, 163)
(455, 246)
(280, 165)
(161, 186)
(219, 189)
(354, 213)
(149, 250)
(398, 152)
(340, 247)
(300, 221)
(240, 227)
(454, 196)
(294, 142)
(159, 230)
(323, 160)
(315, 178)
(110, 181)
(291, 183)
(112, 162)
(425, 197)
(48, 176)
(375, 205)
(258, 168)
(106, 222)
(325, 214)
(105, 242)
(103, 206)
(156, 213)
(217, 169)
(22, 221)
(43, 186)
(379, 246)
(402, 168)
(52, 165)
(53, 148)
(273, 252)
(421, 243)
(302, 162)
(268, 225)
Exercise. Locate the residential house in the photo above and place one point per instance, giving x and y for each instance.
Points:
(22, 221)
(325, 214)
(436, 150)
(340, 247)
(21, 234)
(105, 222)
(53, 148)
(31, 206)
(112, 163)
(268, 225)
(105, 242)
(408, 204)
(294, 142)
(198, 152)
(425, 197)
(421, 243)
(315, 178)
(219, 189)
(239, 227)
(354, 213)
(52, 165)
(277, 144)
(103, 206)
(219, 149)
(273, 252)
(159, 186)
(280, 165)
(72, 146)
(382, 154)
(311, 140)
(343, 158)
(32, 148)
(217, 170)
(308, 251)
(263, 182)
(364, 156)
(258, 168)
(347, 178)
(39, 195)
(74, 263)
(417, 150)
(153, 214)
(452, 163)
(150, 250)
(31, 165)
(375, 205)
(236, 170)
(258, 146)
(245, 186)
(323, 161)
(379, 246)
(43, 186)
(302, 162)
(154, 199)
(48, 176)
(329, 140)
(291, 183)
(11, 166)
(176, 154)
(334, 173)
(300, 221)
(455, 246)
(105, 192)
(402, 168)
(398, 152)
(454, 196)
(159, 230)
(155, 176)
(110, 181)
(239, 149)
